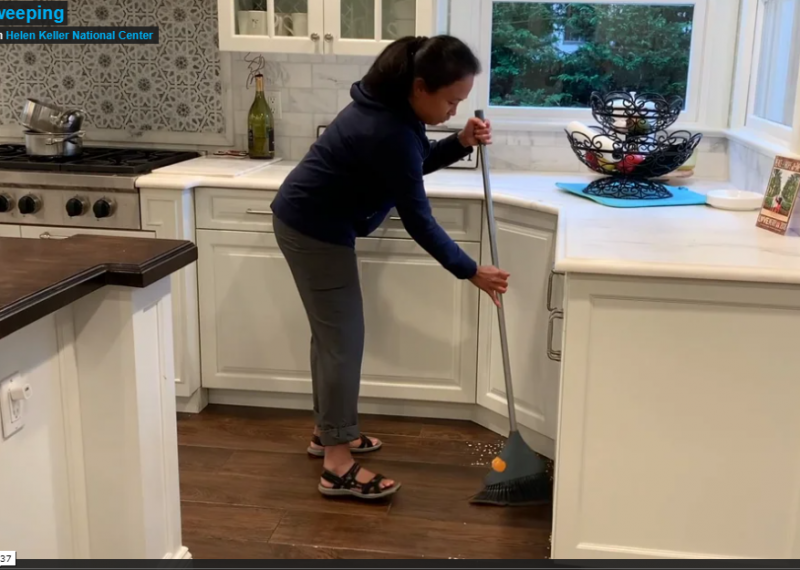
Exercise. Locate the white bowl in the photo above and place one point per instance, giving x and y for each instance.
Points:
(734, 200)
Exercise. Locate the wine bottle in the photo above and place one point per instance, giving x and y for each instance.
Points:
(260, 125)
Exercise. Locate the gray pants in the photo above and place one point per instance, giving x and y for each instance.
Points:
(326, 276)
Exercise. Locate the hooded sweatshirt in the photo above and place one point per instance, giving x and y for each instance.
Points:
(370, 159)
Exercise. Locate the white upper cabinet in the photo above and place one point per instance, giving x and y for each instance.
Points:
(325, 27)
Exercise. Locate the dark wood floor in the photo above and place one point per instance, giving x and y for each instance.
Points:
(249, 490)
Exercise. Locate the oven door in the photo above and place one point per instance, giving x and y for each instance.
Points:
(56, 232)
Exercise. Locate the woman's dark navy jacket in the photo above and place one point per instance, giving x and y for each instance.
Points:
(369, 159)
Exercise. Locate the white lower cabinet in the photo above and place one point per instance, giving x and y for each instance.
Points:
(9, 230)
(53, 232)
(525, 246)
(421, 322)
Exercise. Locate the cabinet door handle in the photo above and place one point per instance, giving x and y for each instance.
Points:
(258, 212)
(48, 235)
(551, 353)
(329, 37)
(315, 37)
(550, 306)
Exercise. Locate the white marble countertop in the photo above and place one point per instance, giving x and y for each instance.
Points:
(695, 242)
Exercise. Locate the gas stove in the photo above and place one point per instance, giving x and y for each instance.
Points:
(94, 190)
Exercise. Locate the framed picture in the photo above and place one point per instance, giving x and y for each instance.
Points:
(778, 213)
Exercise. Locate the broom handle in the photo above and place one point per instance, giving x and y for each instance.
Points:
(501, 315)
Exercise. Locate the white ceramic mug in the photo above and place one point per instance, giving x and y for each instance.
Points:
(402, 28)
(300, 24)
(403, 9)
(283, 24)
(252, 22)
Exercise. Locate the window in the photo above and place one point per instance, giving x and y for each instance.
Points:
(776, 84)
(543, 59)
(547, 54)
(765, 96)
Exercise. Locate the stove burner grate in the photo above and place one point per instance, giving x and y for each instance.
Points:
(93, 160)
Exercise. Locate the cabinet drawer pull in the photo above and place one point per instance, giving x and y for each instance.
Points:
(550, 306)
(48, 235)
(258, 212)
(551, 353)
(395, 218)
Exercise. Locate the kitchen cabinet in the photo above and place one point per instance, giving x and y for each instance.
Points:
(421, 322)
(53, 232)
(9, 230)
(35, 458)
(525, 241)
(329, 27)
(669, 384)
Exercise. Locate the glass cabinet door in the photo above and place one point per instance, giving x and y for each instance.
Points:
(365, 27)
(398, 19)
(285, 26)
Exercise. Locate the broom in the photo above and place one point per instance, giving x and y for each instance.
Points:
(518, 475)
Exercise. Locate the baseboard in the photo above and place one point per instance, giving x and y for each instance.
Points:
(407, 408)
(194, 404)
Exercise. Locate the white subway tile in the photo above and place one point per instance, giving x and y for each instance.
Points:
(311, 101)
(291, 75)
(322, 119)
(299, 147)
(295, 125)
(343, 99)
(354, 59)
(334, 76)
(712, 165)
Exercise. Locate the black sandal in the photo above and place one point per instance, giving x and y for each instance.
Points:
(365, 446)
(346, 485)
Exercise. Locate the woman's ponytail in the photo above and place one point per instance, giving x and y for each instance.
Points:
(439, 61)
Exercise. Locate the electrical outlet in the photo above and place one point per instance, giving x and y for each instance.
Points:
(14, 391)
(274, 101)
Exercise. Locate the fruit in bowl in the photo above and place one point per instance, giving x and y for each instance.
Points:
(629, 163)
(599, 161)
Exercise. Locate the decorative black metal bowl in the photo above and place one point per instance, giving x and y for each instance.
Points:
(633, 162)
(635, 114)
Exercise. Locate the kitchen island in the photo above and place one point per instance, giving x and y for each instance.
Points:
(88, 453)
(651, 349)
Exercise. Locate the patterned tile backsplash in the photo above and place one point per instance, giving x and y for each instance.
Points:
(181, 86)
(174, 86)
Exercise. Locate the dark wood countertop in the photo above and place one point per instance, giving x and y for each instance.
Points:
(39, 277)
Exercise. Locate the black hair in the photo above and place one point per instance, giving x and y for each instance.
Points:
(439, 61)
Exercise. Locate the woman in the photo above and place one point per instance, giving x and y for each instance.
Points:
(370, 159)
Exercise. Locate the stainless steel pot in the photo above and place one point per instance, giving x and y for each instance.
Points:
(53, 144)
(44, 117)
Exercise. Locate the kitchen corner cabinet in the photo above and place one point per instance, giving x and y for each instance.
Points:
(324, 27)
(532, 307)
(422, 324)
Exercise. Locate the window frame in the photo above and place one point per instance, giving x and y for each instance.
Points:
(745, 125)
(710, 68)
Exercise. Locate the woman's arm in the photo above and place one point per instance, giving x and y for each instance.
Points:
(406, 189)
(445, 152)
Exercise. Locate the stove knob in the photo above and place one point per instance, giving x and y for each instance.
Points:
(76, 207)
(6, 203)
(29, 204)
(103, 208)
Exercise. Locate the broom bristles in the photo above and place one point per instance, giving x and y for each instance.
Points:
(525, 491)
